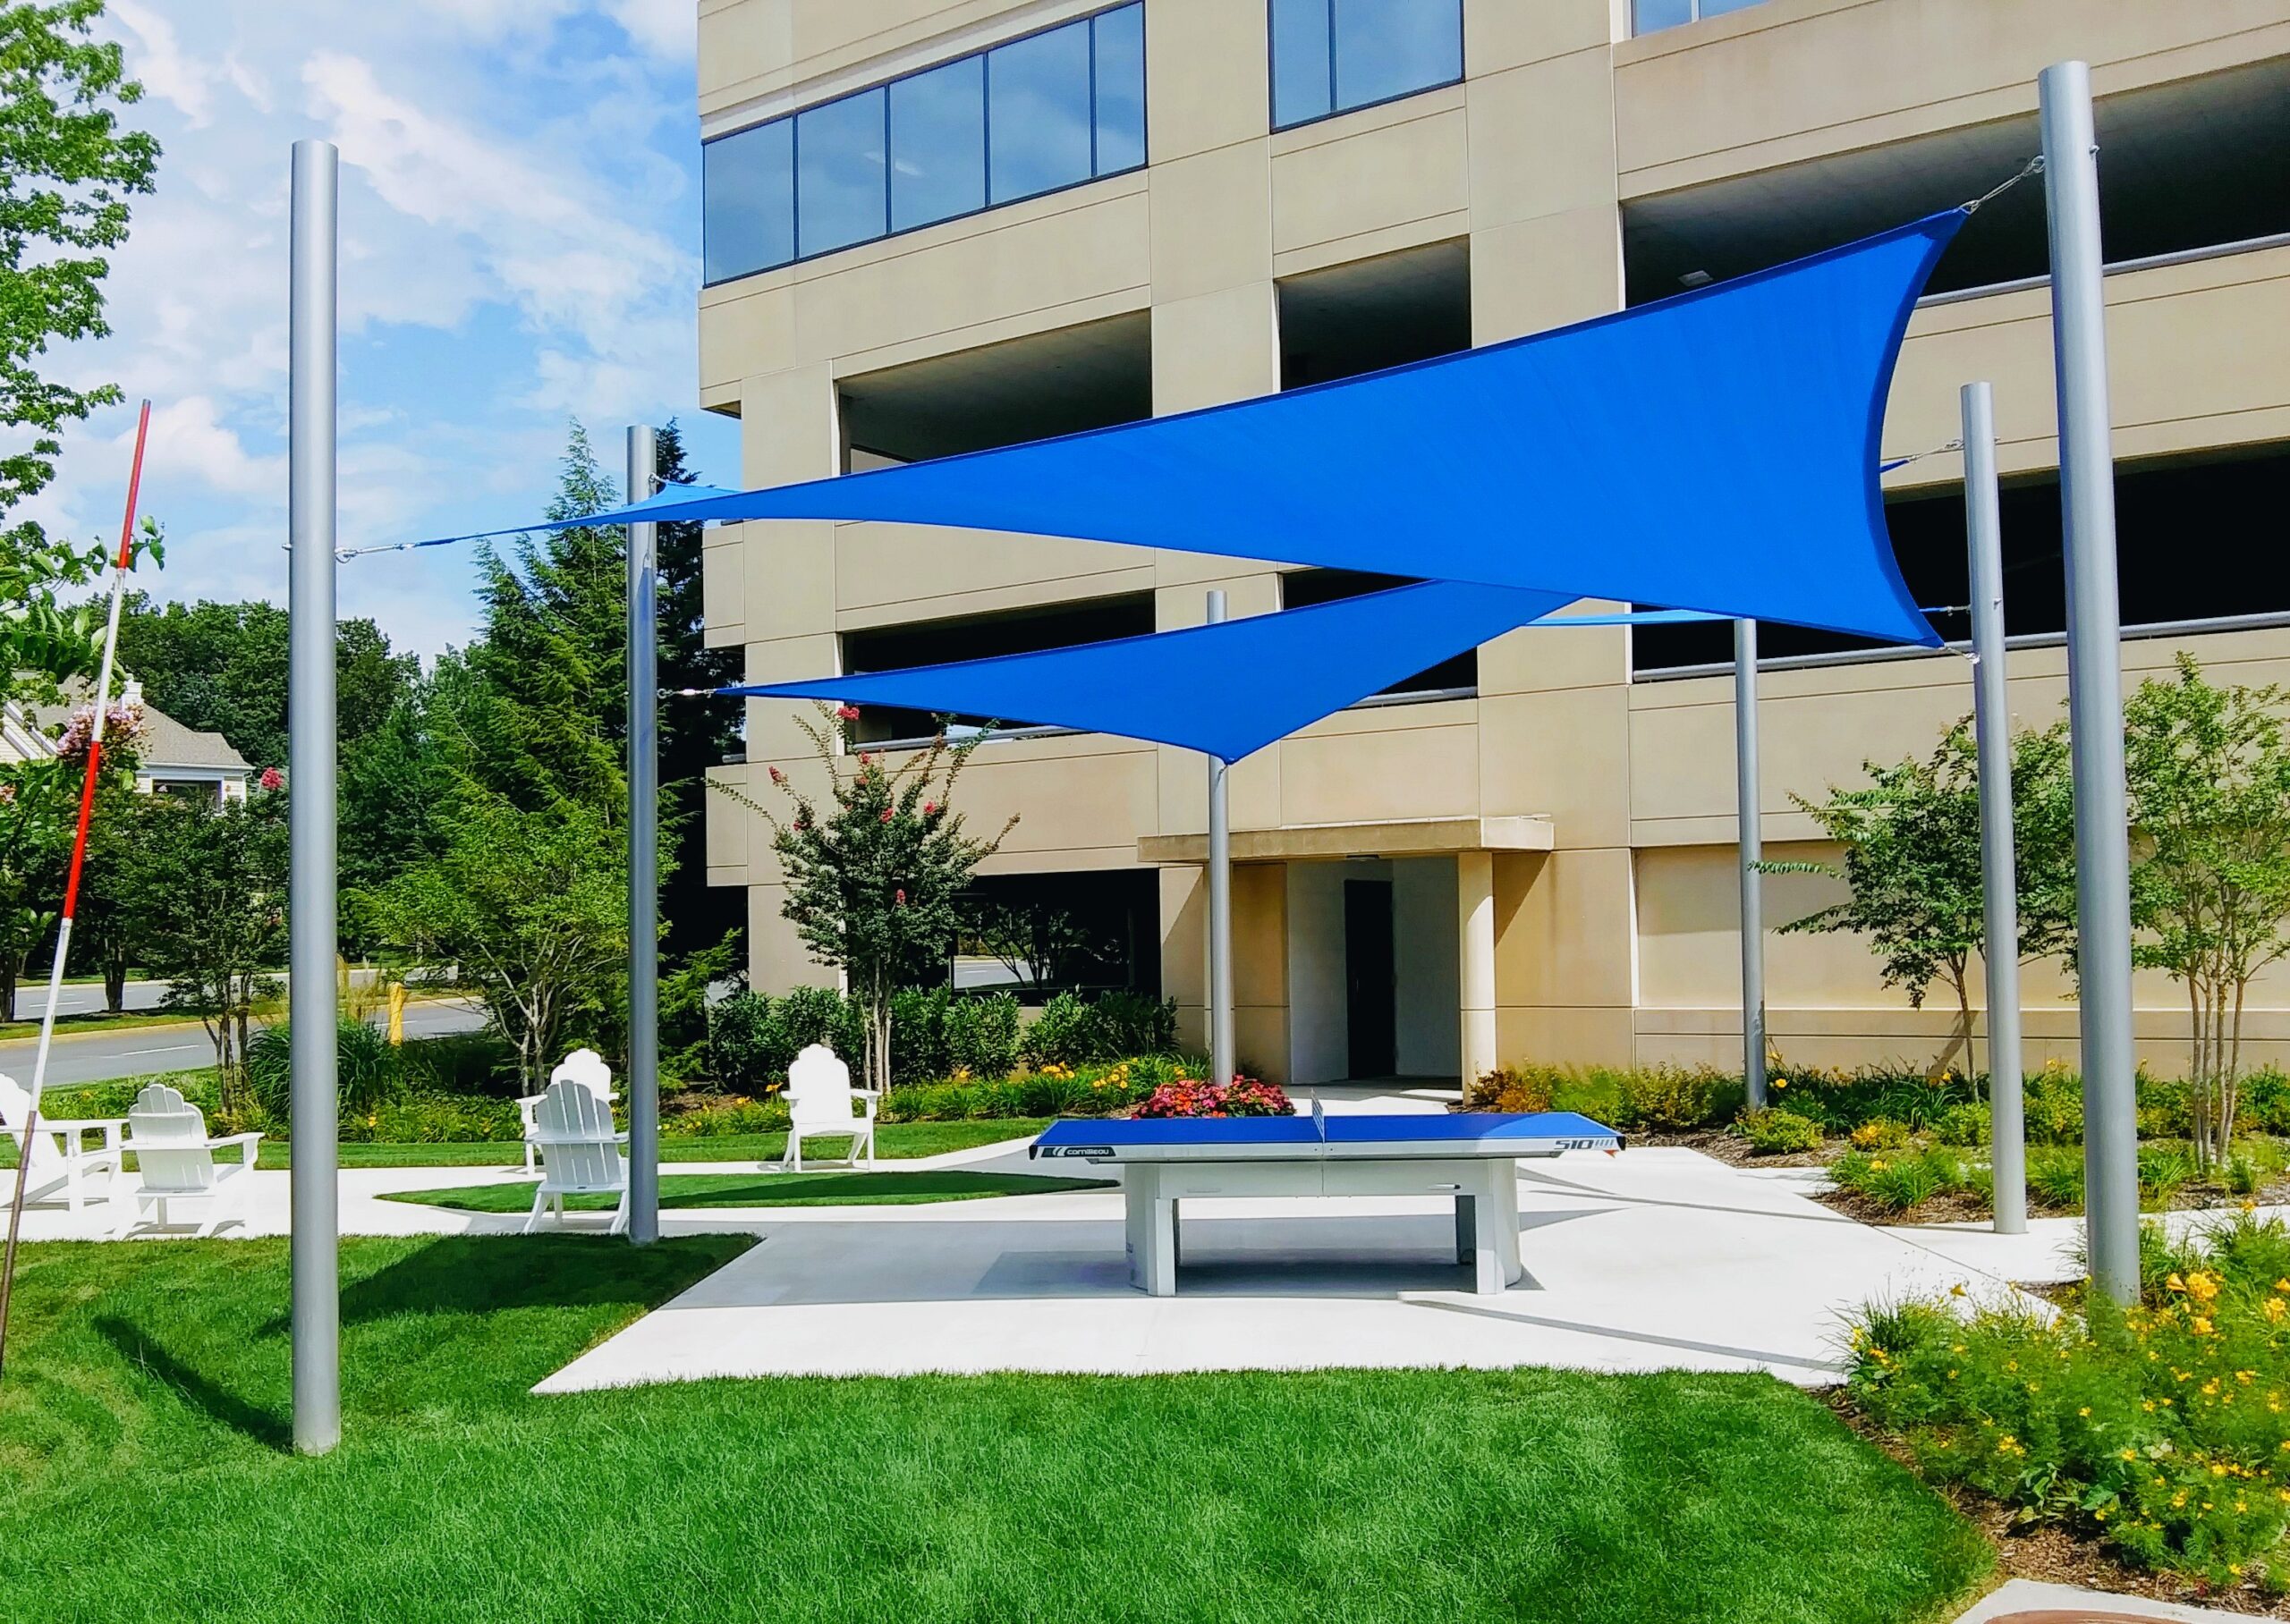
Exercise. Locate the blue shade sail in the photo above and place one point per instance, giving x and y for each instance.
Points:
(1560, 463)
(1226, 690)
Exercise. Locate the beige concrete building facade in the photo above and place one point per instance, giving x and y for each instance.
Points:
(1530, 858)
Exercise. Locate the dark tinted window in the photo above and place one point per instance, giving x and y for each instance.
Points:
(839, 169)
(1038, 104)
(747, 184)
(939, 144)
(1329, 56)
(1043, 111)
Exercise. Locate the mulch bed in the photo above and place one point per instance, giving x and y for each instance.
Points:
(2054, 1554)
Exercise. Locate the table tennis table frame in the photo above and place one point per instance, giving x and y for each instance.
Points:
(1484, 1188)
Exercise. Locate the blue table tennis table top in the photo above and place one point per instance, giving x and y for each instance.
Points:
(1481, 1133)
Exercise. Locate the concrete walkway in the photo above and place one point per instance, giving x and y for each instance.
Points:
(1659, 1258)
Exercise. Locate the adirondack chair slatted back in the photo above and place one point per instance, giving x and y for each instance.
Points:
(15, 1108)
(584, 1155)
(818, 1091)
(168, 1137)
(587, 1068)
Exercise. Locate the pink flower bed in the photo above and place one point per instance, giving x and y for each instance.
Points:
(1244, 1096)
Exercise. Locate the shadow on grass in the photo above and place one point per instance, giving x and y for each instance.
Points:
(685, 1191)
(472, 1274)
(216, 1402)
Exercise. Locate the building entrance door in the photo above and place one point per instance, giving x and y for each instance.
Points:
(1369, 979)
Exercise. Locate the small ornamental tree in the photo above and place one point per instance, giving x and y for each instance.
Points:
(210, 882)
(873, 870)
(1911, 859)
(2209, 778)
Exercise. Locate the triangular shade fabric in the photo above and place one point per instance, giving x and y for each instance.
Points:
(1716, 451)
(670, 496)
(1227, 689)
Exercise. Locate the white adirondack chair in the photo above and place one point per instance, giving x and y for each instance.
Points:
(580, 1153)
(61, 1157)
(175, 1161)
(585, 1067)
(822, 1104)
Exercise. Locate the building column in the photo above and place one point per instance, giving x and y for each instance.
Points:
(1475, 958)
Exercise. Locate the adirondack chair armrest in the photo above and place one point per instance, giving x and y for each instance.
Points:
(867, 1098)
(246, 1141)
(110, 1128)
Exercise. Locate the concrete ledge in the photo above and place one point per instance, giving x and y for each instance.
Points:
(1304, 842)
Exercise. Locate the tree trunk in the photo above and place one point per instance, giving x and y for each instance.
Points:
(7, 991)
(114, 983)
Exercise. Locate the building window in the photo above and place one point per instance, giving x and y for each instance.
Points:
(1650, 16)
(1330, 56)
(1048, 110)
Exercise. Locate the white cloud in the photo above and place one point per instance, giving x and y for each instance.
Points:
(519, 246)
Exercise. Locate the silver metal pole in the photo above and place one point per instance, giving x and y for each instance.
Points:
(643, 853)
(2071, 183)
(1220, 902)
(316, 1315)
(1752, 852)
(1999, 889)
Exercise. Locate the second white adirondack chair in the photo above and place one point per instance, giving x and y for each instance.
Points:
(582, 1066)
(580, 1153)
(175, 1161)
(822, 1104)
(62, 1159)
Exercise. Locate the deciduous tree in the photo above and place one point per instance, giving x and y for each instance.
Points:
(2209, 777)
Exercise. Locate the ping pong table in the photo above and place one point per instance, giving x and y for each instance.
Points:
(1471, 1155)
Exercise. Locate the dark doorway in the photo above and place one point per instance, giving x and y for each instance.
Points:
(1369, 979)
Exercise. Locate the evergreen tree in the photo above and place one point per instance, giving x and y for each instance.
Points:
(550, 723)
(695, 735)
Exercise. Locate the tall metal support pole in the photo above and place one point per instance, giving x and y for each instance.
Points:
(2071, 184)
(1751, 838)
(317, 1315)
(1220, 902)
(643, 853)
(1999, 892)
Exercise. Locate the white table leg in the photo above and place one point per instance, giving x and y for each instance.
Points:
(1152, 1223)
(1496, 1252)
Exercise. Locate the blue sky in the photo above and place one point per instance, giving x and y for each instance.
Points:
(521, 247)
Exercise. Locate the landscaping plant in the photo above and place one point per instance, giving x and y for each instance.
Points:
(873, 868)
(1910, 843)
(2163, 1428)
(1243, 1096)
(1776, 1133)
(2208, 771)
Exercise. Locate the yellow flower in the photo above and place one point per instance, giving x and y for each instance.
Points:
(2199, 1326)
(2274, 1310)
(2130, 1454)
(2085, 1411)
(1957, 1289)
(2174, 1284)
(1781, 1082)
(2202, 1287)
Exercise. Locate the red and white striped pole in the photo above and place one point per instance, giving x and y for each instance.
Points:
(120, 568)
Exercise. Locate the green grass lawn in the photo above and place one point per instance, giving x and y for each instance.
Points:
(775, 1190)
(143, 1473)
(893, 1142)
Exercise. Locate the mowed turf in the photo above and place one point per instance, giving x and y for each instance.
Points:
(773, 1189)
(144, 1473)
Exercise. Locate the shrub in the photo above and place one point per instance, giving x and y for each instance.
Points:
(1511, 1088)
(752, 1038)
(1675, 1099)
(434, 1119)
(2056, 1176)
(1071, 1031)
(1774, 1132)
(1882, 1133)
(365, 1069)
(460, 1062)
(2163, 1170)
(1963, 1126)
(1900, 1184)
(721, 1119)
(1243, 1096)
(2159, 1429)
(982, 1035)
(2052, 1099)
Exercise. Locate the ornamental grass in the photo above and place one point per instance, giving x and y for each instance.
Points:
(2162, 1429)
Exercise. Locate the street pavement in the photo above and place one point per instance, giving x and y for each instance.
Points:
(94, 1057)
